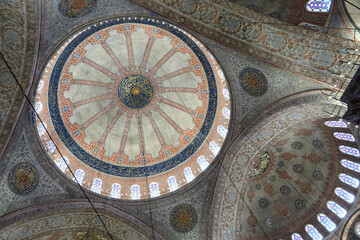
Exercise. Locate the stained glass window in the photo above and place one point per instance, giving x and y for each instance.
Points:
(115, 190)
(351, 165)
(62, 163)
(41, 129)
(357, 229)
(203, 163)
(222, 131)
(226, 112)
(344, 136)
(226, 93)
(214, 148)
(38, 107)
(349, 180)
(189, 175)
(221, 74)
(50, 146)
(79, 176)
(313, 232)
(96, 185)
(336, 124)
(337, 209)
(344, 195)
(349, 150)
(172, 183)
(326, 222)
(40, 85)
(135, 192)
(154, 189)
(296, 236)
(318, 5)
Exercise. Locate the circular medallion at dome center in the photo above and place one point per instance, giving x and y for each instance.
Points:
(135, 91)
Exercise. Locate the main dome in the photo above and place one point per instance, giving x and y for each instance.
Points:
(136, 106)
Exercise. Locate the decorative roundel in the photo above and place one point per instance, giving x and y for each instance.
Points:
(135, 91)
(23, 178)
(133, 102)
(77, 8)
(183, 218)
(253, 82)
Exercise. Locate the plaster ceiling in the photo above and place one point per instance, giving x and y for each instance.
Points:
(133, 101)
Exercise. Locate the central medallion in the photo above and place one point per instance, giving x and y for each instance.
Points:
(135, 91)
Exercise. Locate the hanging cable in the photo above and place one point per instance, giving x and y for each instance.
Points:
(62, 157)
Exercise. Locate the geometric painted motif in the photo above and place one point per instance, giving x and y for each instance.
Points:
(183, 218)
(326, 222)
(337, 209)
(76, 8)
(313, 232)
(349, 150)
(318, 5)
(23, 178)
(344, 136)
(349, 180)
(253, 82)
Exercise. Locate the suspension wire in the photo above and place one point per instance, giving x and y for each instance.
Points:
(62, 157)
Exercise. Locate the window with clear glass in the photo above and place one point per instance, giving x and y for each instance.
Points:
(154, 189)
(96, 185)
(135, 192)
(189, 175)
(337, 209)
(349, 180)
(326, 222)
(115, 190)
(313, 232)
(172, 183)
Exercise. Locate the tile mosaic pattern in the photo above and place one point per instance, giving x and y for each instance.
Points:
(156, 82)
